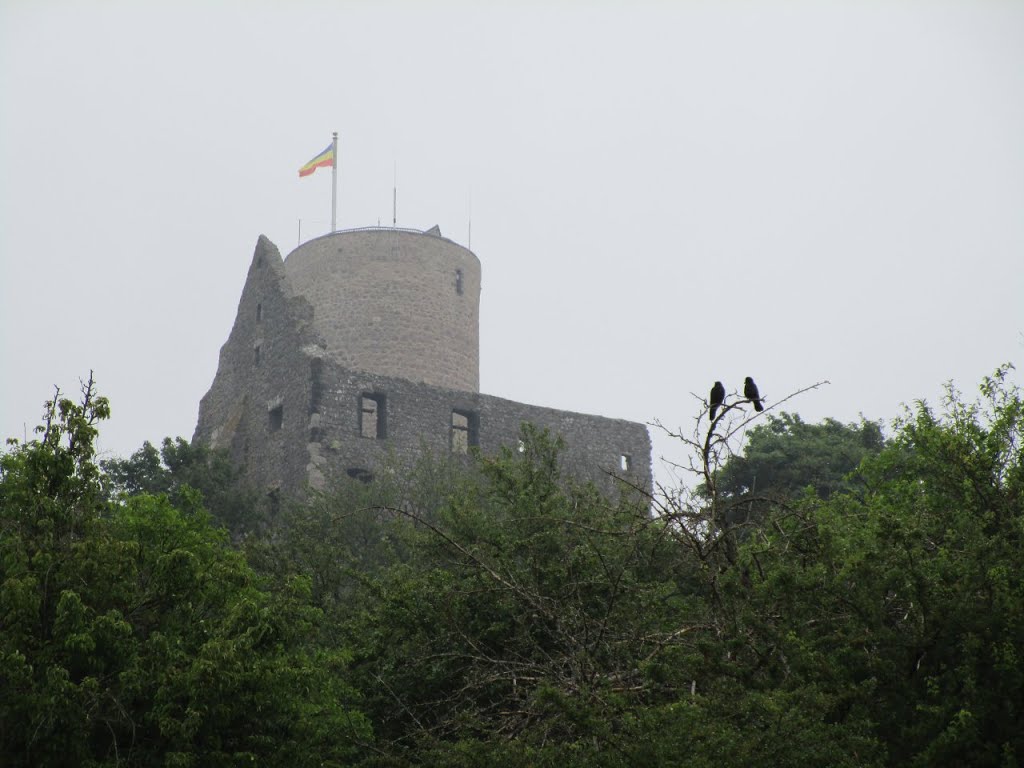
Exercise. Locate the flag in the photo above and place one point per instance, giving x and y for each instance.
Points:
(324, 160)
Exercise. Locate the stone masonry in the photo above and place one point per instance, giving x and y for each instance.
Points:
(394, 302)
(364, 344)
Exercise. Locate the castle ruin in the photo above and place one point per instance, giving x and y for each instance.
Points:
(365, 343)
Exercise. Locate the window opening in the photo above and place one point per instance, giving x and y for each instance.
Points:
(465, 431)
(460, 433)
(316, 385)
(372, 416)
(360, 474)
(259, 312)
(625, 462)
(276, 418)
(458, 281)
(256, 355)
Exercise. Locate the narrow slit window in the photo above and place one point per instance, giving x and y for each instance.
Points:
(256, 355)
(372, 416)
(465, 431)
(625, 462)
(276, 416)
(259, 312)
(460, 433)
(458, 281)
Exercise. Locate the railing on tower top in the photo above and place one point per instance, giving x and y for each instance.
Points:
(380, 228)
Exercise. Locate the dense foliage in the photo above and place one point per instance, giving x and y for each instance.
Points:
(179, 468)
(785, 455)
(872, 614)
(132, 633)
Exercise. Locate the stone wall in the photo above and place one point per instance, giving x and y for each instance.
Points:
(292, 413)
(263, 366)
(395, 302)
(419, 417)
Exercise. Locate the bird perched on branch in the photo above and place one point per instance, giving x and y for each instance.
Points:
(717, 398)
(750, 392)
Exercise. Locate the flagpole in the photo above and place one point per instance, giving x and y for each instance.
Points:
(334, 186)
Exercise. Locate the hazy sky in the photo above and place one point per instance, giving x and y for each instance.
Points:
(662, 194)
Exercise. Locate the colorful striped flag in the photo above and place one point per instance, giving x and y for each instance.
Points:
(324, 160)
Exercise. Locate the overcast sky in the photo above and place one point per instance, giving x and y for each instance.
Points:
(662, 194)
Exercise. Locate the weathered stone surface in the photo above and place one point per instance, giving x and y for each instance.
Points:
(288, 397)
(394, 302)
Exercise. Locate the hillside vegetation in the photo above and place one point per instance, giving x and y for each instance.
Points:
(829, 597)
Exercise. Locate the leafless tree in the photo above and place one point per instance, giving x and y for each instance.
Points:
(698, 513)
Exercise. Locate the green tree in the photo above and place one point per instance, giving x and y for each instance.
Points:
(529, 621)
(785, 456)
(516, 613)
(180, 465)
(131, 632)
(904, 603)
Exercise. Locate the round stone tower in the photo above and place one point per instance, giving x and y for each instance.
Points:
(397, 302)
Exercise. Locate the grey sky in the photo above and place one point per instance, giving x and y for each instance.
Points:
(663, 194)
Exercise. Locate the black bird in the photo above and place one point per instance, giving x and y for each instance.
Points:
(717, 398)
(750, 392)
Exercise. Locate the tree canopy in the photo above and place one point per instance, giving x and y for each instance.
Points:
(785, 455)
(501, 614)
(133, 633)
(179, 465)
